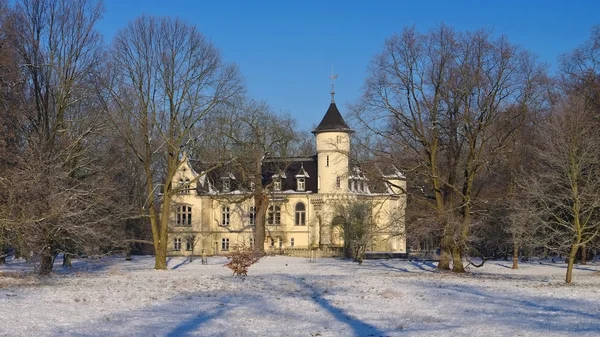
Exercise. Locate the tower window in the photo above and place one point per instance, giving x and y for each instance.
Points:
(338, 182)
(327, 164)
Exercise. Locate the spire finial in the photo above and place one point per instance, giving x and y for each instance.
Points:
(333, 77)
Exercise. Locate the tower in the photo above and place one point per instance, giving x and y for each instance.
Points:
(333, 147)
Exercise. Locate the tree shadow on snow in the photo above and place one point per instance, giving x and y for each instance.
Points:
(543, 313)
(359, 328)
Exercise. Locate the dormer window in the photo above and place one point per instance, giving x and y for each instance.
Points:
(252, 186)
(226, 184)
(277, 184)
(301, 184)
(184, 186)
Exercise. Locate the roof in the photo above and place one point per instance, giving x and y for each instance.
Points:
(332, 121)
(288, 169)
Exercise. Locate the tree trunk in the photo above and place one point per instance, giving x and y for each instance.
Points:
(445, 253)
(46, 261)
(515, 259)
(583, 255)
(67, 261)
(571, 261)
(160, 259)
(261, 204)
(457, 263)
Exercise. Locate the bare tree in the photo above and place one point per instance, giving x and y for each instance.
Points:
(252, 133)
(565, 187)
(452, 101)
(58, 196)
(167, 78)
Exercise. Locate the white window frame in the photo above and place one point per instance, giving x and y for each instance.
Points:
(300, 215)
(274, 216)
(225, 215)
(177, 244)
(277, 184)
(301, 184)
(252, 215)
(225, 244)
(183, 215)
(226, 185)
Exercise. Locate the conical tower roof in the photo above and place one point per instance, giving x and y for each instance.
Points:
(332, 121)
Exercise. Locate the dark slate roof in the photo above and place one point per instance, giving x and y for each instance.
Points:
(285, 166)
(332, 121)
(290, 167)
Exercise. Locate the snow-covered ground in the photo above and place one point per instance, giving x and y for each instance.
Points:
(284, 296)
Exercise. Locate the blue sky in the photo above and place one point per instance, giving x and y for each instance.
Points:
(285, 49)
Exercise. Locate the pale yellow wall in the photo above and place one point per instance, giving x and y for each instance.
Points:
(320, 210)
(336, 146)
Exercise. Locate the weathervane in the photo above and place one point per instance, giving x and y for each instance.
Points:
(333, 77)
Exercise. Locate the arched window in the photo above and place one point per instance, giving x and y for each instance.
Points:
(300, 214)
(183, 215)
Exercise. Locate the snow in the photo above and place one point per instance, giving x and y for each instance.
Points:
(285, 296)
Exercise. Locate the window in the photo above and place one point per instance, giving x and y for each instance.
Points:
(301, 184)
(277, 184)
(280, 243)
(339, 139)
(226, 184)
(274, 217)
(177, 244)
(224, 215)
(252, 186)
(300, 214)
(338, 182)
(291, 242)
(251, 242)
(189, 243)
(225, 244)
(272, 242)
(184, 186)
(183, 215)
(252, 215)
(327, 161)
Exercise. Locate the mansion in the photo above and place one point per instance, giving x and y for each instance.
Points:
(306, 198)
